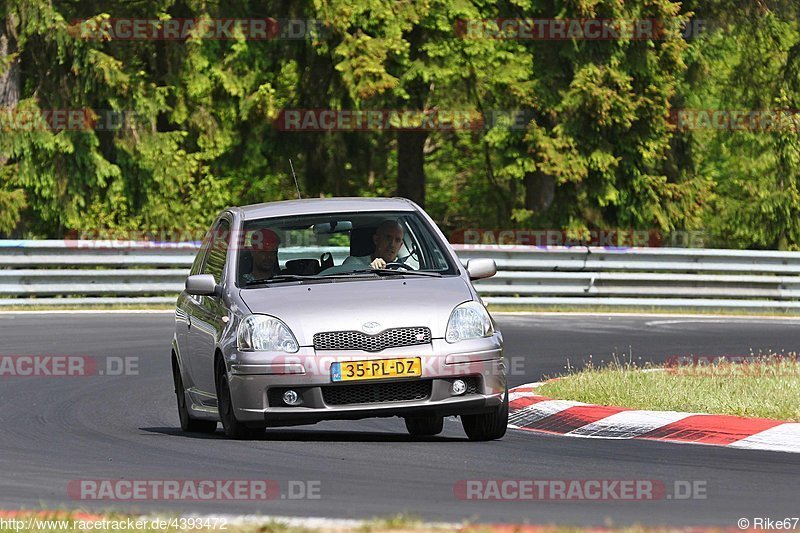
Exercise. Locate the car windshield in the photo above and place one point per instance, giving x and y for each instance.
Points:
(335, 247)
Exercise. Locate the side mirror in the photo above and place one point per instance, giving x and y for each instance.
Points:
(201, 285)
(481, 268)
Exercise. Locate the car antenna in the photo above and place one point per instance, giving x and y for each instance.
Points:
(295, 179)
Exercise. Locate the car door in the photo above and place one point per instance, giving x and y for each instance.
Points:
(207, 313)
(183, 310)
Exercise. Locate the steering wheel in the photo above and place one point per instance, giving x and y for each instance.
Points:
(397, 266)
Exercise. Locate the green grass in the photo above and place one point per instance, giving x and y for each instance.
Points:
(395, 524)
(609, 309)
(71, 522)
(769, 389)
(92, 307)
(398, 522)
(119, 523)
(596, 309)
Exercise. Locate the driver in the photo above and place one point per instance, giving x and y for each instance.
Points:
(388, 238)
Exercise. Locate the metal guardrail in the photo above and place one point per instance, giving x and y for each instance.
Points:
(83, 272)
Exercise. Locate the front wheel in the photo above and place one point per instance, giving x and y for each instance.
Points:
(188, 423)
(488, 426)
(424, 426)
(234, 429)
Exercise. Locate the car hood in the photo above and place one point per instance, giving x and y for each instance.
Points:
(347, 306)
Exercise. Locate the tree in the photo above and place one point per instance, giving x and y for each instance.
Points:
(12, 200)
(751, 75)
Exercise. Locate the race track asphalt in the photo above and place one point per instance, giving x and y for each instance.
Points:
(57, 429)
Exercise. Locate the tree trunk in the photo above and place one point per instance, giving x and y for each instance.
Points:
(320, 172)
(411, 144)
(411, 165)
(9, 78)
(539, 191)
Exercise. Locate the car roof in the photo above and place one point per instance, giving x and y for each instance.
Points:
(323, 205)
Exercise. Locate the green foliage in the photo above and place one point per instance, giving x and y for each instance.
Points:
(596, 148)
(751, 66)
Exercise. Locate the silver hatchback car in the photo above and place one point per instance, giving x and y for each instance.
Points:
(301, 311)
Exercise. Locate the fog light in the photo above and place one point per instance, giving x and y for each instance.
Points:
(459, 387)
(290, 397)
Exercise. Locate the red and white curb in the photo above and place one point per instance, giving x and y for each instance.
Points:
(531, 412)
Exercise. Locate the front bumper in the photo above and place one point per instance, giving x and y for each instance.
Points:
(258, 380)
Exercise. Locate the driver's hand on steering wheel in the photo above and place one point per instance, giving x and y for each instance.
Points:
(378, 262)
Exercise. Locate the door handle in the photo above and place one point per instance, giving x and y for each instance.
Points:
(188, 321)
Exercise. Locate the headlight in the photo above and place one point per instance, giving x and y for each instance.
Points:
(469, 320)
(261, 332)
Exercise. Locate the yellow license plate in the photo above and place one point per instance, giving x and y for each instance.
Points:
(376, 369)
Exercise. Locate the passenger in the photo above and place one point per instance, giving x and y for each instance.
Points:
(263, 248)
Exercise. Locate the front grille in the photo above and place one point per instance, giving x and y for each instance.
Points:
(400, 391)
(356, 340)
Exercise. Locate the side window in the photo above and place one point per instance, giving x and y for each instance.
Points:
(217, 250)
(410, 249)
(427, 251)
(201, 254)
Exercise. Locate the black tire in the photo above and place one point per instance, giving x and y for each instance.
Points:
(424, 426)
(188, 423)
(233, 428)
(488, 426)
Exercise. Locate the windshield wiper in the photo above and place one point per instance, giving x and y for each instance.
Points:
(398, 272)
(342, 275)
(296, 277)
(281, 277)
